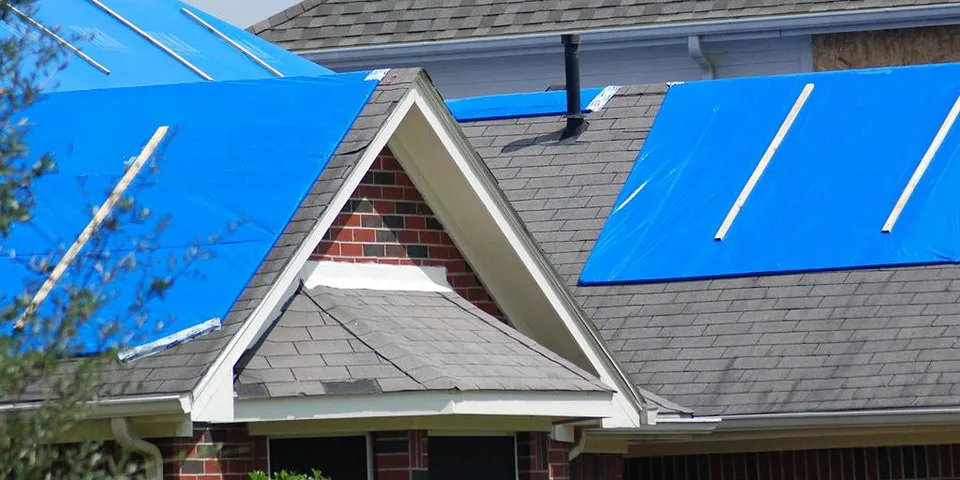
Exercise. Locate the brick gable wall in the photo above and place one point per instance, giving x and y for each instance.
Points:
(387, 221)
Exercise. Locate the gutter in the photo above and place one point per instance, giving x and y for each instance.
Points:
(122, 407)
(151, 453)
(856, 418)
(671, 33)
(695, 49)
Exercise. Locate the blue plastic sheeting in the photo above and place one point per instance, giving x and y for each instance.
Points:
(823, 199)
(516, 105)
(245, 151)
(134, 61)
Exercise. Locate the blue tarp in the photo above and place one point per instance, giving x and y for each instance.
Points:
(245, 151)
(823, 199)
(517, 105)
(134, 61)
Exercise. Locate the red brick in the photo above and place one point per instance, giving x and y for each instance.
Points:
(394, 193)
(393, 475)
(455, 266)
(328, 248)
(366, 235)
(411, 194)
(408, 236)
(368, 191)
(431, 238)
(403, 180)
(416, 223)
(351, 249)
(393, 461)
(384, 206)
(390, 163)
(338, 234)
(211, 466)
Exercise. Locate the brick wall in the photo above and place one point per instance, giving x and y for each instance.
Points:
(215, 453)
(533, 456)
(594, 466)
(400, 455)
(387, 221)
(559, 460)
(874, 463)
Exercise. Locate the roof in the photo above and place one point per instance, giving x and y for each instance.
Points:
(121, 57)
(816, 202)
(835, 340)
(315, 24)
(331, 341)
(181, 367)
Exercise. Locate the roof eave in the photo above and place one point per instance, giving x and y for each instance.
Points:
(554, 405)
(677, 32)
(126, 406)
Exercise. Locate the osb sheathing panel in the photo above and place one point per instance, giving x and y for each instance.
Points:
(886, 48)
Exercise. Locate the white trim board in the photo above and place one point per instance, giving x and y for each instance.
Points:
(374, 276)
(557, 405)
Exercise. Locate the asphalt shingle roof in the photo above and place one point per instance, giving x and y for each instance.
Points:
(323, 24)
(335, 341)
(841, 340)
(180, 368)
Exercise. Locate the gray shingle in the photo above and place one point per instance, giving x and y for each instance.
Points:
(374, 341)
(345, 23)
(823, 341)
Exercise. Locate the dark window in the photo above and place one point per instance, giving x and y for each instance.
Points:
(340, 458)
(472, 458)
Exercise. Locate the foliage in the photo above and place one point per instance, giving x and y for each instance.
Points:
(40, 364)
(285, 475)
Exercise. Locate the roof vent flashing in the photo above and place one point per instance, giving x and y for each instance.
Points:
(571, 60)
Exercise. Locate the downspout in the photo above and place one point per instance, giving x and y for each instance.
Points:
(151, 453)
(695, 50)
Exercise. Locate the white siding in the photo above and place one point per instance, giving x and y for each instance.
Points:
(467, 77)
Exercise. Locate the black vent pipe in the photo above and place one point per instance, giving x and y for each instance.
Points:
(571, 61)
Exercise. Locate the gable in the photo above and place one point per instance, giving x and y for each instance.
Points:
(387, 221)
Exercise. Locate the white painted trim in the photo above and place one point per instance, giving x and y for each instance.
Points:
(130, 406)
(587, 338)
(412, 404)
(922, 167)
(764, 161)
(254, 325)
(372, 276)
(603, 97)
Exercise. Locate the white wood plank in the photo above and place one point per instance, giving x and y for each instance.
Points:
(118, 190)
(764, 161)
(922, 167)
